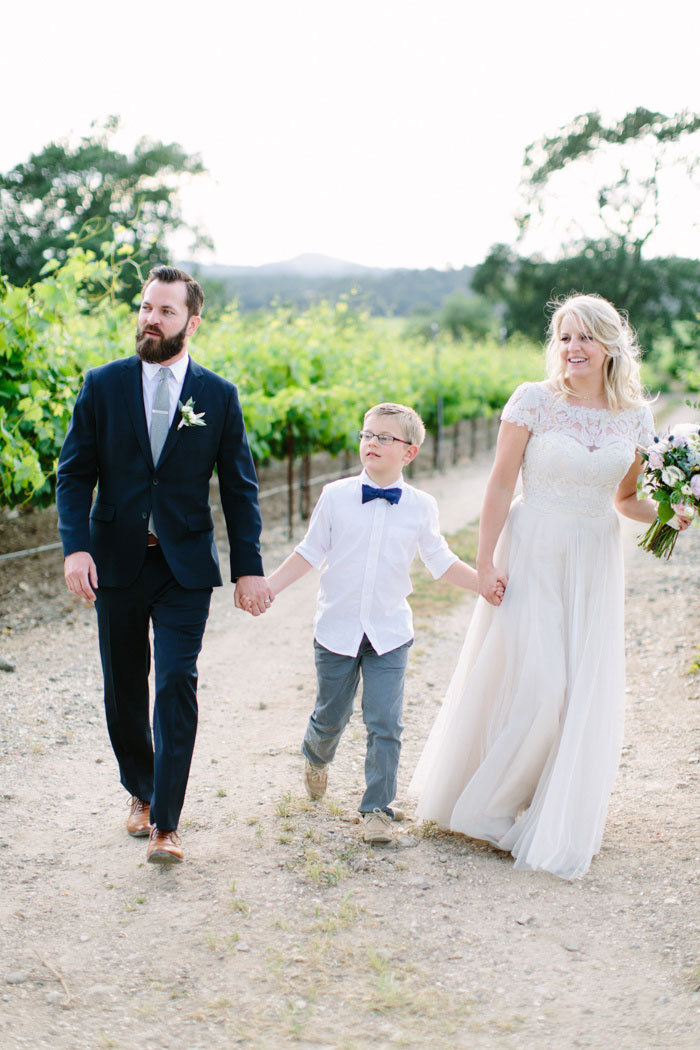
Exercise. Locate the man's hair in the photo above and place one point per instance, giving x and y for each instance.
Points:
(169, 275)
(409, 420)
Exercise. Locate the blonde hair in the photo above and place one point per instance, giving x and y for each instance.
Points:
(409, 420)
(600, 319)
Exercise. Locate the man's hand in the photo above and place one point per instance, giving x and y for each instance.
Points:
(253, 594)
(80, 572)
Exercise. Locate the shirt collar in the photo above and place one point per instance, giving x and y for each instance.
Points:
(365, 479)
(150, 370)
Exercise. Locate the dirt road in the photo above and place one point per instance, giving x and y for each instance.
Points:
(282, 929)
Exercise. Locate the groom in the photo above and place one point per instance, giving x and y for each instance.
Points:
(149, 431)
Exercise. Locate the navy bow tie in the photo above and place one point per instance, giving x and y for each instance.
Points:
(390, 495)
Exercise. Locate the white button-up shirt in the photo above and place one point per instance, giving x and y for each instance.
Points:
(149, 383)
(365, 551)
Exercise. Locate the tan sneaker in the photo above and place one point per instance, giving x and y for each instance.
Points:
(377, 826)
(315, 780)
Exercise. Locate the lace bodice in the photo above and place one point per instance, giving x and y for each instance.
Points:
(576, 456)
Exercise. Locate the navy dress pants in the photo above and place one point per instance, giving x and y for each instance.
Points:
(153, 766)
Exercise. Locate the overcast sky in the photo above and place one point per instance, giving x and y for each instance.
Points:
(386, 132)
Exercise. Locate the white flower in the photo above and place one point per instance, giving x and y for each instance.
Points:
(190, 418)
(670, 475)
(682, 431)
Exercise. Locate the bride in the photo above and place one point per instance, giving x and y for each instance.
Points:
(525, 749)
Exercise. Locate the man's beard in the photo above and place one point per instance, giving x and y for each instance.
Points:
(156, 350)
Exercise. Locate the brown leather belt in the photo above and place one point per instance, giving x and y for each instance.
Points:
(152, 541)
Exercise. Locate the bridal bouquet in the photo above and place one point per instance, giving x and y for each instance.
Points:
(671, 477)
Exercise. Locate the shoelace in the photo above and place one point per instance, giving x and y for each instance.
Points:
(171, 836)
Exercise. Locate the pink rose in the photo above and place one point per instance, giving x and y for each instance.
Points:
(695, 485)
(684, 510)
(656, 461)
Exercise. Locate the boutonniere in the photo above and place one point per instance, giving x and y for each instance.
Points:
(190, 418)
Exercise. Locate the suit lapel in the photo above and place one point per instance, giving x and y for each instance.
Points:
(191, 388)
(133, 397)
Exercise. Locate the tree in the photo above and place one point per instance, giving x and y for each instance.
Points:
(659, 293)
(619, 168)
(90, 194)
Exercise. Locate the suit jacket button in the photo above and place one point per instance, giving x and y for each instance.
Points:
(155, 481)
(144, 514)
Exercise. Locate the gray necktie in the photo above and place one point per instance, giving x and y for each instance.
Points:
(160, 423)
(160, 415)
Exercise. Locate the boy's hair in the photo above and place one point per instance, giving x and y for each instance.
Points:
(409, 420)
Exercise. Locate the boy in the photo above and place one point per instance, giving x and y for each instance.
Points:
(366, 530)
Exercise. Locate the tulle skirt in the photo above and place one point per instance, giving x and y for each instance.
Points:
(526, 746)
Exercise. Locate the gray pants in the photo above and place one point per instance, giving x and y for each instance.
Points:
(338, 678)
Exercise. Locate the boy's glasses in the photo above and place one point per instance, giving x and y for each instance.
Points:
(383, 439)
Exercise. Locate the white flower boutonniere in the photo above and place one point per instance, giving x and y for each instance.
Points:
(190, 418)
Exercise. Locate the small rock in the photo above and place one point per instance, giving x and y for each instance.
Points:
(6, 665)
(54, 997)
(571, 947)
(17, 977)
(99, 992)
(242, 947)
(420, 883)
(523, 920)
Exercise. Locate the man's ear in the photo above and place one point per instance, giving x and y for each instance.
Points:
(193, 324)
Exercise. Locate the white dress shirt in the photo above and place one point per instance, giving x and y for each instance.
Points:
(365, 551)
(149, 377)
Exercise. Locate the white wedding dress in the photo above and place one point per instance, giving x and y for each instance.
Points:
(526, 746)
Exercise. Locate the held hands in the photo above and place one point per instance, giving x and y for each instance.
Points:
(80, 573)
(492, 585)
(253, 595)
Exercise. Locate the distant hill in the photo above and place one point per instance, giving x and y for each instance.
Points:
(311, 277)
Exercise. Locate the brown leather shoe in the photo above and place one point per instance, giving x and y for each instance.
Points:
(138, 823)
(164, 847)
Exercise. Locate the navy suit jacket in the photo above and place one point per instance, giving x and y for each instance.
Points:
(107, 444)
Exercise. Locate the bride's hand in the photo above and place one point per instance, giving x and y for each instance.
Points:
(680, 520)
(492, 585)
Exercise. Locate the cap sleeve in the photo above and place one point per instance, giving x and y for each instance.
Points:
(525, 405)
(645, 427)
